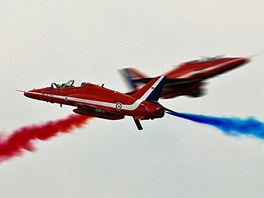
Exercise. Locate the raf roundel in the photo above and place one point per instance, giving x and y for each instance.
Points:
(118, 106)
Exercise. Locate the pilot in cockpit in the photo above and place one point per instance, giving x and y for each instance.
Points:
(70, 83)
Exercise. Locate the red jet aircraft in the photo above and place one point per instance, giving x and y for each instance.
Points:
(188, 78)
(98, 101)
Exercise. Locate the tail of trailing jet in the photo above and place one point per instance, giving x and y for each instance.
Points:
(133, 77)
(150, 92)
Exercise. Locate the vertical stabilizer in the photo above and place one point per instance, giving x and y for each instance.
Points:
(130, 75)
(152, 90)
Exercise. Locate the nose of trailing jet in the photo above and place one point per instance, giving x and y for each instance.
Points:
(242, 60)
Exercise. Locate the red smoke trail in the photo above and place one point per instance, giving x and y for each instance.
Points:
(22, 138)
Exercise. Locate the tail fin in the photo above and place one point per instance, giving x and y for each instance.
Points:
(151, 91)
(131, 75)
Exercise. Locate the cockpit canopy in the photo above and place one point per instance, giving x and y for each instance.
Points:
(207, 59)
(70, 83)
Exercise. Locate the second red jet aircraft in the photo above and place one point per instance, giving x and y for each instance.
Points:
(187, 78)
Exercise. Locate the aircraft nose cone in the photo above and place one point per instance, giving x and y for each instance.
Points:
(243, 60)
(29, 94)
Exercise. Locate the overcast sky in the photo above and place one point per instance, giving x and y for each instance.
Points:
(45, 41)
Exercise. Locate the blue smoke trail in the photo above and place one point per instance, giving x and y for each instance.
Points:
(231, 126)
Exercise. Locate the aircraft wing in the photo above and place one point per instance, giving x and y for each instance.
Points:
(177, 87)
(187, 87)
(93, 107)
(96, 111)
(171, 81)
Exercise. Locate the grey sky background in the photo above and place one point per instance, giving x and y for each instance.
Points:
(46, 41)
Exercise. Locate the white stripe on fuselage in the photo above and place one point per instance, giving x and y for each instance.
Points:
(107, 104)
(129, 107)
(207, 69)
